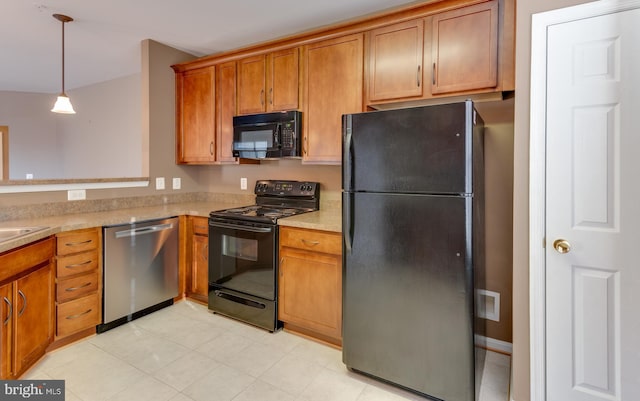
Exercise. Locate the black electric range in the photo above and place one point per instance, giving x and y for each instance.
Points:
(275, 199)
(243, 251)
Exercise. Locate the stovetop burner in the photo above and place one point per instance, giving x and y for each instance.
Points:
(275, 199)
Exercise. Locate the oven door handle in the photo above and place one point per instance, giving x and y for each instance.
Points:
(241, 227)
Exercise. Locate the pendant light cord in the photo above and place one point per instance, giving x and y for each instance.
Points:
(63, 57)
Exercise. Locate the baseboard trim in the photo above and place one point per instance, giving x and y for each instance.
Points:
(494, 344)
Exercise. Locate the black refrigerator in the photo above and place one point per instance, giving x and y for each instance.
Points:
(413, 248)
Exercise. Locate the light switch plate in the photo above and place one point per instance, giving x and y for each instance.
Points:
(243, 183)
(177, 183)
(159, 183)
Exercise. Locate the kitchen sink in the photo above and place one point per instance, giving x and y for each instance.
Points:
(11, 233)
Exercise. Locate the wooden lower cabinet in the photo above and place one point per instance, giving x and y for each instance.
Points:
(198, 269)
(310, 283)
(26, 313)
(78, 283)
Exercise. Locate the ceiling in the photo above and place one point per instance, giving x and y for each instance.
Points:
(103, 41)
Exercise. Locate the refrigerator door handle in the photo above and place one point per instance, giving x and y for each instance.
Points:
(347, 219)
(347, 164)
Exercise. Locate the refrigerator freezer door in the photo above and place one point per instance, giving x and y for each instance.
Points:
(416, 150)
(408, 287)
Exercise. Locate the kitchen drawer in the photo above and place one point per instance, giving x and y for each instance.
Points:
(77, 263)
(76, 287)
(78, 315)
(312, 240)
(201, 226)
(77, 241)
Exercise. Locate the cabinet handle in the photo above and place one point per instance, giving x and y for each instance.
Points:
(271, 96)
(310, 243)
(24, 300)
(433, 76)
(10, 310)
(418, 76)
(211, 148)
(73, 266)
(79, 287)
(262, 97)
(78, 243)
(78, 315)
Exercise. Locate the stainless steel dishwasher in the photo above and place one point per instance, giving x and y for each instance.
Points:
(140, 269)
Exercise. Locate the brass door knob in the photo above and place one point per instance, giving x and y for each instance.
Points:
(562, 246)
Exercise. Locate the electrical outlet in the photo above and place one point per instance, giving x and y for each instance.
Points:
(177, 183)
(243, 183)
(159, 183)
(76, 194)
(29, 176)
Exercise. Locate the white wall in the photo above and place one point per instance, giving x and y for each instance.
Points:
(33, 136)
(104, 138)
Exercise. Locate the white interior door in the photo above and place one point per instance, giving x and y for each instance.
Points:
(593, 204)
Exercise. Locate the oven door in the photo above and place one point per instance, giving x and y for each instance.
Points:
(259, 141)
(242, 258)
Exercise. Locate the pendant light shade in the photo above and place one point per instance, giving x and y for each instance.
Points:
(63, 104)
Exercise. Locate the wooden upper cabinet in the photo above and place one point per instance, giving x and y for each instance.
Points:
(283, 80)
(465, 48)
(251, 84)
(268, 82)
(195, 103)
(333, 73)
(396, 61)
(226, 109)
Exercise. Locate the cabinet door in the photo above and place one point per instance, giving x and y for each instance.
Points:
(33, 309)
(332, 87)
(395, 61)
(465, 48)
(6, 330)
(199, 266)
(283, 79)
(310, 291)
(196, 116)
(251, 85)
(226, 109)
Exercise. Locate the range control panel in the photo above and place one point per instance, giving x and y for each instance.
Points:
(287, 188)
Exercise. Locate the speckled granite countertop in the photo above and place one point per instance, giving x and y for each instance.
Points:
(328, 220)
(68, 222)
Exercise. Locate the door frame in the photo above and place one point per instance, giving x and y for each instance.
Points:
(537, 175)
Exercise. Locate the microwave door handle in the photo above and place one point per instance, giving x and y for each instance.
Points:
(277, 140)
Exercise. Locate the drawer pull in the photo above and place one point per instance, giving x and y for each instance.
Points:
(78, 243)
(310, 243)
(78, 315)
(73, 266)
(79, 287)
(10, 310)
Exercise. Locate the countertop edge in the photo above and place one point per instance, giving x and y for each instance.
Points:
(324, 220)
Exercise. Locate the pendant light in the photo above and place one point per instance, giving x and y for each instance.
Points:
(63, 104)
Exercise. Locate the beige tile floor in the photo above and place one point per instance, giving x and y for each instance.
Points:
(184, 353)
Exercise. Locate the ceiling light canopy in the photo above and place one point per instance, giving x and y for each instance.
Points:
(63, 104)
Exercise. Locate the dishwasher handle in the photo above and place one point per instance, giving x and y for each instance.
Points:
(143, 230)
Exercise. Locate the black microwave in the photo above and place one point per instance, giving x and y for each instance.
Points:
(267, 135)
